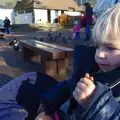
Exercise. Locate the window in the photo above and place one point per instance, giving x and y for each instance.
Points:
(56, 13)
(1, 23)
(84, 1)
(20, 12)
(29, 11)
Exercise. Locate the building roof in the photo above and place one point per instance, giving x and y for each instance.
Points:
(48, 4)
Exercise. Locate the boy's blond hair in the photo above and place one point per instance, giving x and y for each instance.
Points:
(107, 26)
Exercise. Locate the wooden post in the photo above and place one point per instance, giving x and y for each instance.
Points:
(63, 66)
(51, 67)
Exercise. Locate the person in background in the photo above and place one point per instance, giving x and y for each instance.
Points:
(88, 20)
(7, 25)
(62, 19)
(76, 31)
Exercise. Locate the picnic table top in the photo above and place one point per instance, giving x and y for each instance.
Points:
(53, 45)
(46, 46)
(49, 52)
(40, 46)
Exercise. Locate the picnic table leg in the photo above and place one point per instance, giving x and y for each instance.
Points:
(63, 66)
(51, 67)
(48, 67)
(27, 53)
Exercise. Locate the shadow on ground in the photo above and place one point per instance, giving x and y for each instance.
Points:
(15, 60)
(4, 79)
(12, 65)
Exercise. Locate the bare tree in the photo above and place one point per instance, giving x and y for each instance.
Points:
(9, 3)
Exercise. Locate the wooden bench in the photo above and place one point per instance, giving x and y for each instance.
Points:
(2, 29)
(2, 35)
(53, 58)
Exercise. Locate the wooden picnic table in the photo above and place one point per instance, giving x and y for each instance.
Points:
(2, 29)
(53, 58)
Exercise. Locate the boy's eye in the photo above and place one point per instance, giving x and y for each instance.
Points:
(111, 48)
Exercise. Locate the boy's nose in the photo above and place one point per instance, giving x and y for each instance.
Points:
(101, 55)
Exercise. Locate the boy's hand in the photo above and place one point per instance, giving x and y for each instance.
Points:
(42, 116)
(84, 89)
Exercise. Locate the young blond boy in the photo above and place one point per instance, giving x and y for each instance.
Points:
(106, 34)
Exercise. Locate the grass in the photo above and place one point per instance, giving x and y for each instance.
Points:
(33, 27)
(38, 27)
